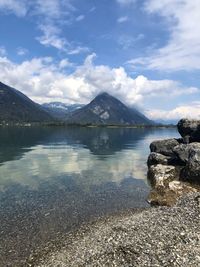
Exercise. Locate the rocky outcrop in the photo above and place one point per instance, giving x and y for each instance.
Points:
(191, 172)
(164, 147)
(157, 158)
(160, 175)
(174, 164)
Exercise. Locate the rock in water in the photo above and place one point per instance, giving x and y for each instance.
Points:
(160, 175)
(182, 151)
(157, 158)
(174, 164)
(164, 147)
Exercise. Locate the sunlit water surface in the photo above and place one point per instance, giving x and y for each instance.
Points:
(54, 179)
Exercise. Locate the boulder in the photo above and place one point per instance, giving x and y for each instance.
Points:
(174, 165)
(182, 151)
(189, 130)
(169, 195)
(157, 158)
(164, 147)
(160, 175)
(191, 172)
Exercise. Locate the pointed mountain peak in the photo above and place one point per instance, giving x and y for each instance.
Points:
(102, 95)
(106, 109)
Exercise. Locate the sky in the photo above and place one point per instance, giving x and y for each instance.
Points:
(144, 52)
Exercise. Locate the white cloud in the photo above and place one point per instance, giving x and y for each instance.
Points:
(65, 63)
(79, 18)
(78, 49)
(92, 9)
(54, 9)
(22, 51)
(3, 51)
(126, 2)
(19, 8)
(51, 37)
(191, 111)
(127, 41)
(182, 51)
(51, 9)
(53, 14)
(44, 80)
(122, 19)
(50, 16)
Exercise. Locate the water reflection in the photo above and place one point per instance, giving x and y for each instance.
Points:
(53, 179)
(95, 154)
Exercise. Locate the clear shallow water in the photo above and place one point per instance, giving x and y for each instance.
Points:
(54, 179)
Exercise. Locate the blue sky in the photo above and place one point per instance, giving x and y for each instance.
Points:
(145, 52)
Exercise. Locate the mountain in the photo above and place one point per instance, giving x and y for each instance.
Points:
(60, 110)
(105, 109)
(16, 107)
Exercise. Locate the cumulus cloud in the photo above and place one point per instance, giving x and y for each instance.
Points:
(191, 111)
(44, 80)
(182, 51)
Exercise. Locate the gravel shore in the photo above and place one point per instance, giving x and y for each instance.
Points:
(163, 236)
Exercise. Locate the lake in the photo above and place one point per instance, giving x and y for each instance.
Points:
(53, 179)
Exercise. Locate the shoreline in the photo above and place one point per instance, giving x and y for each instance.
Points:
(65, 125)
(158, 236)
(64, 240)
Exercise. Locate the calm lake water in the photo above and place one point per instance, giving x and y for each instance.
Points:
(54, 179)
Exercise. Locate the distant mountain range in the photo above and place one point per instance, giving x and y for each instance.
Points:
(16, 107)
(104, 109)
(60, 110)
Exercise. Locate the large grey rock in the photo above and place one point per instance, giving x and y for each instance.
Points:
(160, 175)
(157, 158)
(164, 147)
(189, 130)
(192, 170)
(182, 151)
